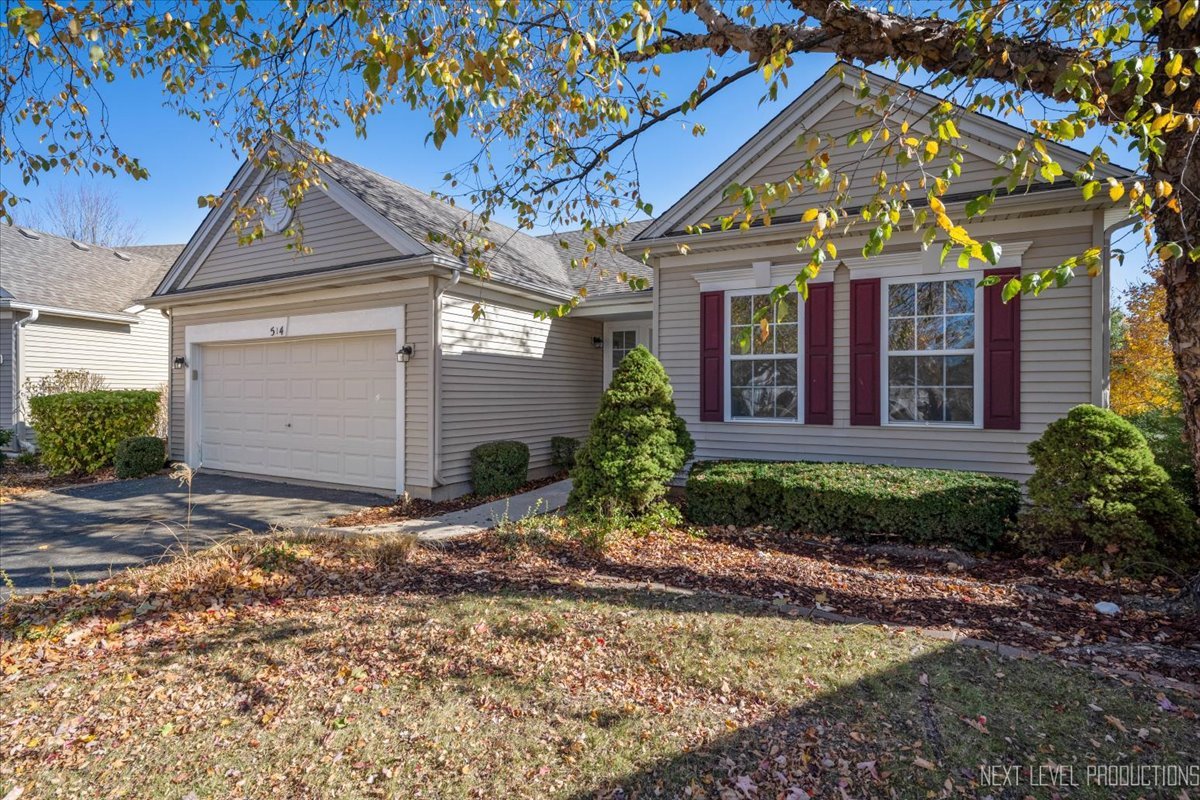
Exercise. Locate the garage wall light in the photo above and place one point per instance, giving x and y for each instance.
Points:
(405, 353)
(180, 362)
(598, 342)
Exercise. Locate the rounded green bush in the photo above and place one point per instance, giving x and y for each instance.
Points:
(1097, 492)
(636, 445)
(140, 455)
(80, 431)
(499, 467)
(562, 451)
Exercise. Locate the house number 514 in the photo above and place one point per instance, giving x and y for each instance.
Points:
(277, 330)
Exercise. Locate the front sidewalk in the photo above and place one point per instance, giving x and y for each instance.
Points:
(476, 519)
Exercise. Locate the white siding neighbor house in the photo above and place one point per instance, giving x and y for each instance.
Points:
(366, 362)
(73, 305)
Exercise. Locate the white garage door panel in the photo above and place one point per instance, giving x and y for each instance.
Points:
(313, 409)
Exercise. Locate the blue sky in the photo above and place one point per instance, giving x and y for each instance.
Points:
(185, 162)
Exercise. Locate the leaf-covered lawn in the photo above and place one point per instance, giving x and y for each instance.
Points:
(356, 668)
(1024, 602)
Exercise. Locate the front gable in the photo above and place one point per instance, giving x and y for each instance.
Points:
(829, 109)
(338, 230)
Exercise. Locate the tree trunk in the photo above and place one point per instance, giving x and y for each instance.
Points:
(1180, 164)
(1182, 279)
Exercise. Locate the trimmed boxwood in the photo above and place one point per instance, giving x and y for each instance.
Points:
(499, 467)
(855, 501)
(139, 455)
(80, 431)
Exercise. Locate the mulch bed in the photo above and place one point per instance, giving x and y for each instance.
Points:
(17, 480)
(416, 508)
(1026, 603)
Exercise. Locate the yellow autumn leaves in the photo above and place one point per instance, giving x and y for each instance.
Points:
(1143, 369)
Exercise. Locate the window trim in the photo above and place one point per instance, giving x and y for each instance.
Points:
(727, 378)
(885, 351)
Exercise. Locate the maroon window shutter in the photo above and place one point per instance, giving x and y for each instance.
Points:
(1001, 354)
(818, 355)
(712, 356)
(864, 351)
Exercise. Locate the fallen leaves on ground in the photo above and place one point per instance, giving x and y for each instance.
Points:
(1020, 602)
(17, 480)
(316, 666)
(406, 507)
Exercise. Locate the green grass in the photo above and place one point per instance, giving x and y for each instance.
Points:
(438, 679)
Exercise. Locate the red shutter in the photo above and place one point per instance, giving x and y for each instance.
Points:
(864, 351)
(818, 355)
(1001, 354)
(712, 356)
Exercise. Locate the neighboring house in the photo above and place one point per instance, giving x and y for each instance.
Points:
(72, 305)
(360, 364)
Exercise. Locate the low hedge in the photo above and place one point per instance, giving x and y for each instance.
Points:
(499, 467)
(855, 501)
(80, 431)
(139, 455)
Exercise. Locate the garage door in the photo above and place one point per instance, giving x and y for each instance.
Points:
(319, 409)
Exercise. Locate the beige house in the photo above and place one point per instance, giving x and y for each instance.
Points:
(362, 362)
(72, 305)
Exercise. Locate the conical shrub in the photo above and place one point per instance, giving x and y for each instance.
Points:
(636, 444)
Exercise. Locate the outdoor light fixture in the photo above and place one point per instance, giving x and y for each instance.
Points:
(405, 353)
(598, 342)
(180, 362)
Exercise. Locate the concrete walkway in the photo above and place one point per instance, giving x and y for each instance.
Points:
(480, 518)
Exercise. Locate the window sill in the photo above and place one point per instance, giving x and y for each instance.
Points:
(960, 426)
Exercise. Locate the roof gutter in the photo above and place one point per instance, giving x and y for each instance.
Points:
(58, 311)
(435, 393)
(1106, 317)
(16, 329)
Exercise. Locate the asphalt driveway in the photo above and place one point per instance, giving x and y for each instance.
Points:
(83, 534)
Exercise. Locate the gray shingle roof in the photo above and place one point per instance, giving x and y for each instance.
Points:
(512, 257)
(42, 269)
(602, 274)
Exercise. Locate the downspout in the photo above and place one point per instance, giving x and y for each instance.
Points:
(16, 385)
(1106, 358)
(435, 391)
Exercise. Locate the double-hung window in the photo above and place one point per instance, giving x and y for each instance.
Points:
(932, 369)
(764, 356)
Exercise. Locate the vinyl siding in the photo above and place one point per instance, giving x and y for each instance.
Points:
(1056, 374)
(6, 368)
(511, 376)
(128, 356)
(334, 236)
(418, 304)
(858, 161)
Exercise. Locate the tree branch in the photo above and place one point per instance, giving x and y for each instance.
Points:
(869, 37)
(646, 125)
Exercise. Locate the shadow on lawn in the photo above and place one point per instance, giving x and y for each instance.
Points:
(907, 727)
(931, 725)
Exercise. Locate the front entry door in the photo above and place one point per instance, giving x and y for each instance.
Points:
(619, 339)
